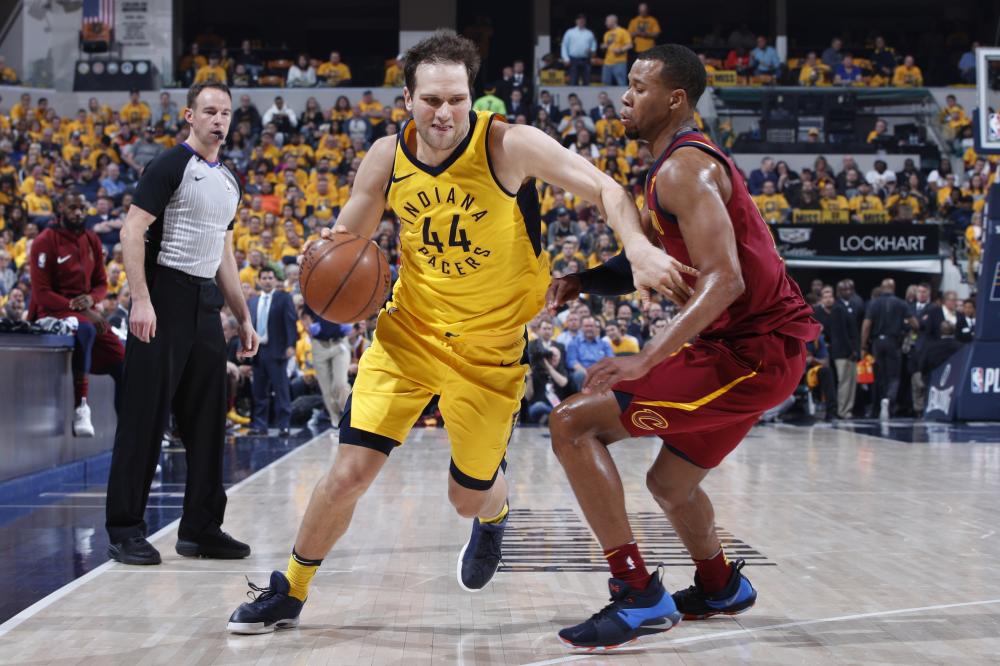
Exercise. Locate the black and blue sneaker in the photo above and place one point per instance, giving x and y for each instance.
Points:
(631, 615)
(480, 556)
(272, 608)
(737, 597)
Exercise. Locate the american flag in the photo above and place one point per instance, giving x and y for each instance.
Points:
(99, 11)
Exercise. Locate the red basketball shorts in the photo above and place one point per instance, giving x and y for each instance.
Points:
(705, 398)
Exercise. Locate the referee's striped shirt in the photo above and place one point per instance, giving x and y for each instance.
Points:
(195, 203)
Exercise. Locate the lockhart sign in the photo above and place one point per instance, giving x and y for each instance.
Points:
(857, 240)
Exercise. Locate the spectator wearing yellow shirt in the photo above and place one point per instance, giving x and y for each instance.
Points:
(609, 129)
(334, 72)
(616, 45)
(324, 201)
(621, 345)
(644, 29)
(907, 75)
(864, 202)
(813, 72)
(255, 261)
(291, 248)
(98, 114)
(21, 109)
(880, 134)
(270, 246)
(39, 204)
(976, 191)
(7, 75)
(394, 74)
(903, 205)
(21, 247)
(251, 237)
(953, 117)
(371, 108)
(773, 207)
(835, 206)
(136, 111)
(212, 72)
(944, 193)
(399, 112)
(191, 62)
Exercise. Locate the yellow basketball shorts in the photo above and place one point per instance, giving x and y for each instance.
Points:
(480, 385)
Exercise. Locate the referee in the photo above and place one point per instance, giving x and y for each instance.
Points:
(178, 248)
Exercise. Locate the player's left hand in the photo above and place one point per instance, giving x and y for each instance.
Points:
(654, 269)
(81, 302)
(249, 339)
(609, 371)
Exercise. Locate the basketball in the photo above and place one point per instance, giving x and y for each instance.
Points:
(344, 279)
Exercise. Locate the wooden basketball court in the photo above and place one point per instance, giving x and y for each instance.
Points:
(864, 550)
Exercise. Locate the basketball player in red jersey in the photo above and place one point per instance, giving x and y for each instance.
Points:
(747, 323)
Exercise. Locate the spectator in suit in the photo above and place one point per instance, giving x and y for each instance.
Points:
(919, 309)
(105, 224)
(845, 351)
(549, 374)
(823, 311)
(547, 104)
(946, 312)
(818, 361)
(273, 316)
(603, 101)
(939, 351)
(585, 350)
(967, 332)
(118, 319)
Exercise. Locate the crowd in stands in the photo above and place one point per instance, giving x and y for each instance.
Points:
(847, 193)
(297, 166)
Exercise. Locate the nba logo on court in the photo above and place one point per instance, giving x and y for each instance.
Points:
(985, 380)
(977, 380)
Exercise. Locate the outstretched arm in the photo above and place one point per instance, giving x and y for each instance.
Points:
(527, 152)
(691, 186)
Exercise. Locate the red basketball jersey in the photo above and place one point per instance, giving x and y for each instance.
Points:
(772, 302)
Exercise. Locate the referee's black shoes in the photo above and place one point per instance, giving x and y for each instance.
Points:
(134, 550)
(215, 545)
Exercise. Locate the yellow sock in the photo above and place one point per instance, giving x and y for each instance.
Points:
(497, 518)
(299, 574)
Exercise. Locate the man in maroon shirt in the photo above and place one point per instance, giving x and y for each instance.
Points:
(68, 280)
(747, 323)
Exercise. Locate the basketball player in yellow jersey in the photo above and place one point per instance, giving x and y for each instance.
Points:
(473, 274)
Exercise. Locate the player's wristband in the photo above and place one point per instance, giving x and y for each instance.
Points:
(613, 278)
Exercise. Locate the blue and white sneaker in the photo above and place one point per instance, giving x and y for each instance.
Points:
(480, 556)
(737, 597)
(631, 615)
(272, 608)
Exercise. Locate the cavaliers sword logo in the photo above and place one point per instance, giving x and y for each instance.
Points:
(647, 419)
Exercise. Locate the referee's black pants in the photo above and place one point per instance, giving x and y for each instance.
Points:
(182, 369)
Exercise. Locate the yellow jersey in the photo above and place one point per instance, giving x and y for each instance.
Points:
(471, 256)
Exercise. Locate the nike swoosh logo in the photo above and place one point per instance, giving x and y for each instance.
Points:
(197, 178)
(63, 260)
(396, 180)
(507, 365)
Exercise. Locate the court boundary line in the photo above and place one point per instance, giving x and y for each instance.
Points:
(56, 595)
(753, 630)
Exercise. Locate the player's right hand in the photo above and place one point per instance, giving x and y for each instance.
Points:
(561, 291)
(142, 320)
(326, 233)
